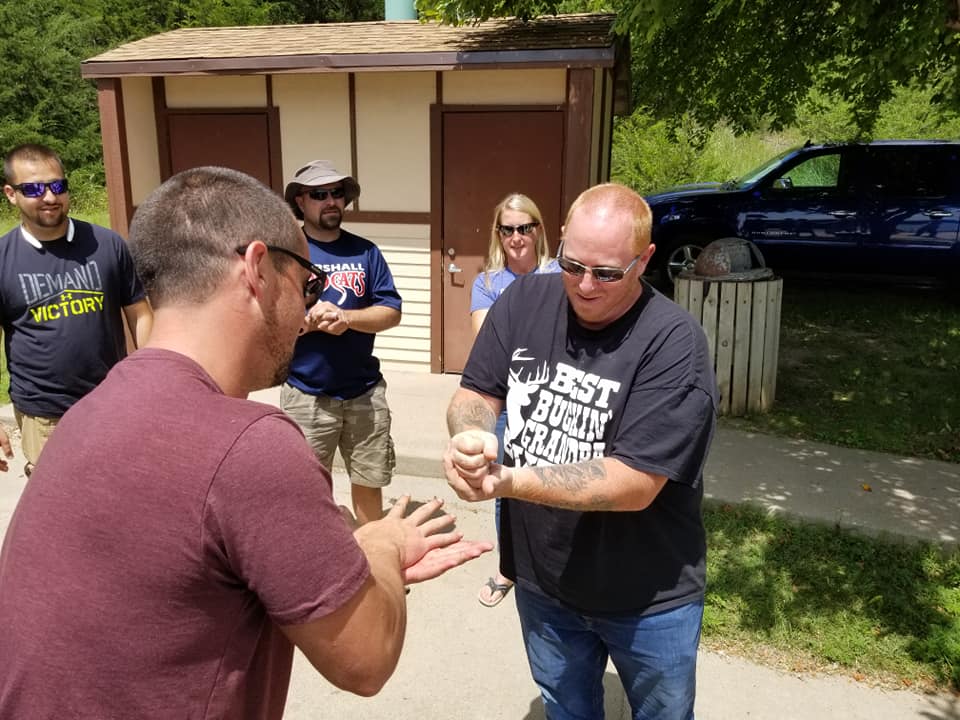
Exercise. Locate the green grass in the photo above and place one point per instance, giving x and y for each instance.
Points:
(810, 597)
(869, 368)
(876, 368)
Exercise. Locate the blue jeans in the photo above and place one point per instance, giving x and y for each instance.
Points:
(655, 656)
(499, 431)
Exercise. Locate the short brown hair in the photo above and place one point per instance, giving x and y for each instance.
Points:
(28, 152)
(185, 233)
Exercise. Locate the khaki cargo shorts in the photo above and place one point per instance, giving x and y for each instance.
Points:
(34, 433)
(359, 427)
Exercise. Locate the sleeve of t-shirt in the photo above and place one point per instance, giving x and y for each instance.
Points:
(481, 296)
(130, 285)
(489, 362)
(383, 291)
(669, 418)
(272, 523)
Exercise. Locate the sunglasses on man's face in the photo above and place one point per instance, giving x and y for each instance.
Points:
(600, 273)
(318, 277)
(38, 189)
(336, 193)
(508, 230)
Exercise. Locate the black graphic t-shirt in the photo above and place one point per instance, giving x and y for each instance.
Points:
(640, 390)
(61, 311)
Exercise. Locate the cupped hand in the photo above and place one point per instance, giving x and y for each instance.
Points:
(430, 548)
(469, 467)
(470, 454)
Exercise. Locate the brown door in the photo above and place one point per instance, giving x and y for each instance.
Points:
(486, 156)
(236, 140)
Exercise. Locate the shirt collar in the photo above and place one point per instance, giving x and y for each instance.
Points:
(28, 236)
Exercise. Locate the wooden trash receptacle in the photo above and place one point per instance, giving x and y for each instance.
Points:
(742, 322)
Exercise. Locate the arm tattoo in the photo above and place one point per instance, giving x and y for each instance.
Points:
(574, 479)
(470, 414)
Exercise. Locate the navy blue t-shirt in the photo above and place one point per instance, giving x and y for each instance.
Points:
(642, 391)
(61, 311)
(343, 366)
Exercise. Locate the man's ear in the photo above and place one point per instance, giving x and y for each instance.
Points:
(645, 259)
(253, 258)
(10, 193)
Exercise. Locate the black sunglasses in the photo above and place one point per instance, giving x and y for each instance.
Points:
(336, 193)
(38, 189)
(318, 277)
(600, 273)
(508, 230)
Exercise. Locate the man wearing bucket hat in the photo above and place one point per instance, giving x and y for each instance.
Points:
(335, 390)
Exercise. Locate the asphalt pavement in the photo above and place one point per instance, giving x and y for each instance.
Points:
(462, 660)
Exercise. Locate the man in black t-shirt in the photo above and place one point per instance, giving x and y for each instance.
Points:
(610, 399)
(64, 285)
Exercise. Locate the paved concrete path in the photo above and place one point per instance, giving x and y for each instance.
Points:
(465, 661)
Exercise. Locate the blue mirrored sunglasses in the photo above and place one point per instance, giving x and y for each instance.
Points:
(37, 189)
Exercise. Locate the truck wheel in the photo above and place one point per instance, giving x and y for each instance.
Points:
(678, 257)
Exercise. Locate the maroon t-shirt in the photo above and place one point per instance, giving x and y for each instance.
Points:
(166, 533)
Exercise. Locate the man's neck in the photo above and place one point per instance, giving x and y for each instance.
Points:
(315, 232)
(44, 233)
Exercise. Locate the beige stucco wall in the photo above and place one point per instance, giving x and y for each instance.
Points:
(393, 139)
(516, 87)
(141, 128)
(392, 145)
(237, 91)
(314, 120)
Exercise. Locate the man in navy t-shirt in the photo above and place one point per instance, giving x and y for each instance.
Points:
(64, 285)
(335, 390)
(610, 400)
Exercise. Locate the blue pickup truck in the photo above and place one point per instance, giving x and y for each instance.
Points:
(886, 208)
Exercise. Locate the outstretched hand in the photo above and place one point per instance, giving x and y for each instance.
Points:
(429, 549)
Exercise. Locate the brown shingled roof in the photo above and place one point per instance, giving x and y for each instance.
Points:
(563, 40)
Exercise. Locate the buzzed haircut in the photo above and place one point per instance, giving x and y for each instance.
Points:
(619, 198)
(28, 152)
(185, 234)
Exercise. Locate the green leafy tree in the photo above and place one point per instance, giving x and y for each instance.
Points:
(327, 11)
(753, 62)
(43, 99)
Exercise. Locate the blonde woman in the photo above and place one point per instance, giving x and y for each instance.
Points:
(518, 245)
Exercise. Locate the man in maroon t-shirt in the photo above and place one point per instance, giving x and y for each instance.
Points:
(175, 583)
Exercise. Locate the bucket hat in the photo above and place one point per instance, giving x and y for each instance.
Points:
(315, 173)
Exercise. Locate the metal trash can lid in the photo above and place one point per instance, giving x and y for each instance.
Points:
(730, 258)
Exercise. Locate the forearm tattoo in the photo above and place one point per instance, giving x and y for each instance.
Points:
(574, 479)
(469, 415)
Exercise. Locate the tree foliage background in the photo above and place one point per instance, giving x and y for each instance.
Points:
(751, 62)
(700, 67)
(44, 99)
